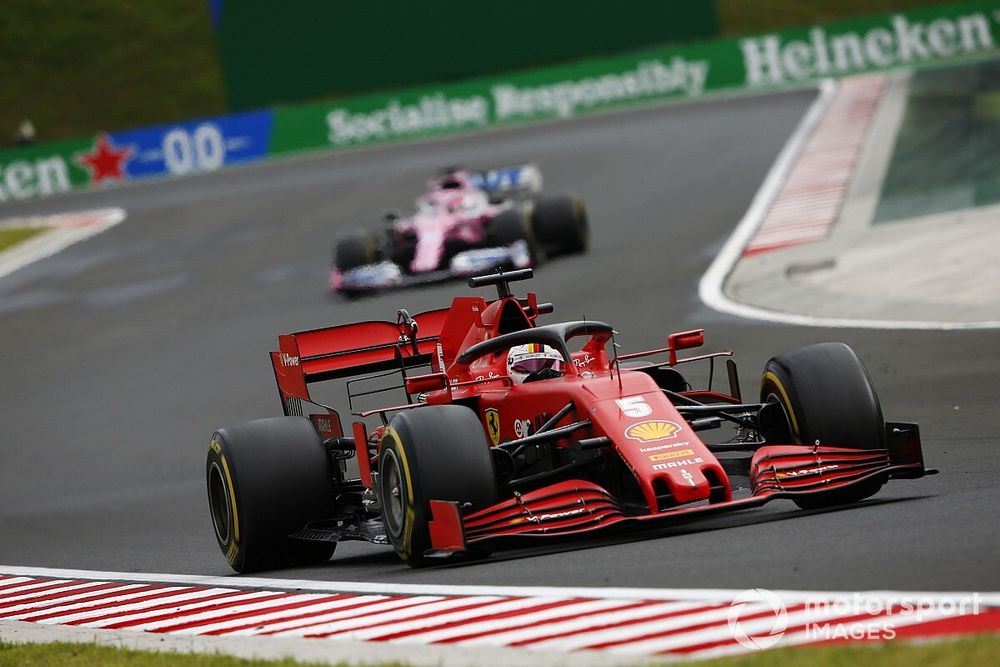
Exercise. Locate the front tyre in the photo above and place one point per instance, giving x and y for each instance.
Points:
(561, 225)
(433, 453)
(828, 397)
(512, 225)
(356, 249)
(268, 478)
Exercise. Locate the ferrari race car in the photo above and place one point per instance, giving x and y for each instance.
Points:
(466, 223)
(513, 431)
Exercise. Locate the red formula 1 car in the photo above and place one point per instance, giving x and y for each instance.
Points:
(519, 431)
(466, 223)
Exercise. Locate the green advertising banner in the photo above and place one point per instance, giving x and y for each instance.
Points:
(912, 39)
(300, 50)
(43, 170)
(558, 92)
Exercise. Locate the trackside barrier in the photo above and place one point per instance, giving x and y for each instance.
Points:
(918, 38)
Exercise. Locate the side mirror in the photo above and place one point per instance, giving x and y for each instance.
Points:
(684, 340)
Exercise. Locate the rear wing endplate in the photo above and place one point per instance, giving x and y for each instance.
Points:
(349, 350)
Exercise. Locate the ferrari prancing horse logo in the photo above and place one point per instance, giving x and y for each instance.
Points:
(493, 425)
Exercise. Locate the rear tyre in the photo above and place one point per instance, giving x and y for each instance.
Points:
(434, 453)
(828, 396)
(267, 479)
(561, 225)
(513, 225)
(356, 249)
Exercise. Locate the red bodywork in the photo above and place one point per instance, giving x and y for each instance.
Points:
(676, 473)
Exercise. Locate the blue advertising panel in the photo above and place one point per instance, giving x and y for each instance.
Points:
(195, 146)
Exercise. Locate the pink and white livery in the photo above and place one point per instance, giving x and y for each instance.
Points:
(466, 223)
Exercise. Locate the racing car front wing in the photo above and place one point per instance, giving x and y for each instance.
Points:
(387, 275)
(577, 507)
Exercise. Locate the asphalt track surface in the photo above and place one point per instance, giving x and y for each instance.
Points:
(121, 355)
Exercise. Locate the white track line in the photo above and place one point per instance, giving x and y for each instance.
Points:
(300, 626)
(635, 630)
(69, 594)
(554, 631)
(382, 620)
(587, 612)
(260, 623)
(130, 620)
(527, 616)
(426, 620)
(670, 594)
(244, 611)
(362, 616)
(84, 611)
(710, 288)
(21, 591)
(63, 233)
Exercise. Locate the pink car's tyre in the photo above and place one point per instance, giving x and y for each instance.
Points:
(512, 225)
(561, 225)
(357, 249)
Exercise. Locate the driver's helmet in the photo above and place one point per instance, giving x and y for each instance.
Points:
(533, 358)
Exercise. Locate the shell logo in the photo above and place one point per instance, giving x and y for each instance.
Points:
(654, 429)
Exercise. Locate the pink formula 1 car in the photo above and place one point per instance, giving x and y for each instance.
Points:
(466, 223)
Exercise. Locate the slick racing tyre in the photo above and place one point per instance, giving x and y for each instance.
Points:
(268, 478)
(512, 225)
(356, 249)
(561, 225)
(434, 453)
(828, 397)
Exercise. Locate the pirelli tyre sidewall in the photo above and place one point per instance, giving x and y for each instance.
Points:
(560, 223)
(432, 453)
(516, 224)
(267, 479)
(828, 397)
(359, 248)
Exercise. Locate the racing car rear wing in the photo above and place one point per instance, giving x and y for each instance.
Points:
(348, 350)
(364, 348)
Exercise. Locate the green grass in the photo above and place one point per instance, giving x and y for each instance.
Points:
(88, 655)
(980, 651)
(740, 17)
(75, 68)
(13, 235)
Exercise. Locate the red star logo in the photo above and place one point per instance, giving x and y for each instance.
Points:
(105, 162)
